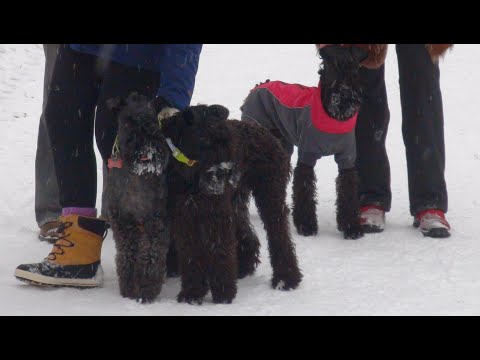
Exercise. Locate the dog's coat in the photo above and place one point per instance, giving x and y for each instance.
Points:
(297, 112)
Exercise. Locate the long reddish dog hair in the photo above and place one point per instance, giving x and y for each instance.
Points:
(378, 52)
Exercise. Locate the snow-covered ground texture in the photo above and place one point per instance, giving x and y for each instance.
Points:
(398, 272)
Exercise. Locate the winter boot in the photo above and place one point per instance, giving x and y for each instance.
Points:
(75, 258)
(432, 223)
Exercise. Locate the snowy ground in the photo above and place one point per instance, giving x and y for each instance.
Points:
(395, 273)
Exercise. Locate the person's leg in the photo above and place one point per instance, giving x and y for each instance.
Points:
(70, 122)
(69, 114)
(422, 112)
(47, 207)
(371, 134)
(423, 133)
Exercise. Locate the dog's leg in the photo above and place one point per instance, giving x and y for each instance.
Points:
(248, 244)
(194, 276)
(223, 261)
(305, 200)
(172, 256)
(126, 251)
(186, 234)
(150, 267)
(348, 204)
(270, 192)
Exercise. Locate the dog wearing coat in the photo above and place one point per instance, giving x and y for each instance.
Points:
(320, 121)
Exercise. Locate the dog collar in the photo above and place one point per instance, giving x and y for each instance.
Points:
(114, 161)
(178, 155)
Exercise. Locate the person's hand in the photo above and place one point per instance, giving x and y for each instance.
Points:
(167, 112)
(164, 108)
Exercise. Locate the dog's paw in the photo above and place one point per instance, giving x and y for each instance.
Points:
(353, 233)
(145, 300)
(143, 297)
(243, 272)
(288, 281)
(307, 229)
(189, 299)
(222, 300)
(247, 266)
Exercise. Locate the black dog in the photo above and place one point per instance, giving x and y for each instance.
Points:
(320, 121)
(207, 204)
(137, 199)
(221, 163)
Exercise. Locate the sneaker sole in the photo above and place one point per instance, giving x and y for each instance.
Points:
(437, 233)
(41, 280)
(369, 229)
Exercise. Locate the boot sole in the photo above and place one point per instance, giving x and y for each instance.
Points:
(45, 281)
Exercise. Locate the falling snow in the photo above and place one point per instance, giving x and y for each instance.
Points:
(397, 272)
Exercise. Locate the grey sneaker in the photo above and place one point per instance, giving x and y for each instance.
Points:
(49, 232)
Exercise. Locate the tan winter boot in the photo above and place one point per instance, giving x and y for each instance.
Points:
(75, 257)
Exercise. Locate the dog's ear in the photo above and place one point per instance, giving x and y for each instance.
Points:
(218, 112)
(190, 117)
(116, 104)
(330, 51)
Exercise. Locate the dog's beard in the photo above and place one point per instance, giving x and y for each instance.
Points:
(216, 179)
(341, 101)
(341, 93)
(150, 160)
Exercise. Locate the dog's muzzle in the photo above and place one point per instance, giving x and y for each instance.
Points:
(151, 160)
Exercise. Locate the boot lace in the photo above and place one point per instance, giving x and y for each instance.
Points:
(62, 242)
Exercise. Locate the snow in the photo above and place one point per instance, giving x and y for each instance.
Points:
(398, 272)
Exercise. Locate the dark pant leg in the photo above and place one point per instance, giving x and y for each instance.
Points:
(69, 115)
(118, 80)
(423, 134)
(47, 206)
(371, 134)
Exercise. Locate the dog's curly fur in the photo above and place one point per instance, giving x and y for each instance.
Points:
(348, 204)
(216, 243)
(206, 212)
(340, 80)
(137, 200)
(305, 201)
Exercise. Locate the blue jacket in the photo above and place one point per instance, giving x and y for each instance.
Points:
(176, 64)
